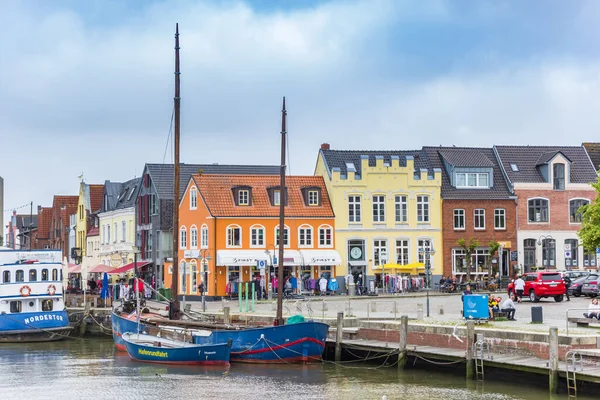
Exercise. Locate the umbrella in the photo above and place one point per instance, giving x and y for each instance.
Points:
(65, 274)
(104, 294)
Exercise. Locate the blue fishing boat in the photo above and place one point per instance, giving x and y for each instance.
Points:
(154, 349)
(292, 343)
(32, 307)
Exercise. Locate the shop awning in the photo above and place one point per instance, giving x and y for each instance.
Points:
(129, 267)
(398, 267)
(244, 258)
(358, 263)
(100, 268)
(74, 268)
(320, 257)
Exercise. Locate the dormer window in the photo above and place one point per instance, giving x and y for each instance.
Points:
(243, 197)
(276, 197)
(274, 193)
(472, 180)
(559, 176)
(313, 197)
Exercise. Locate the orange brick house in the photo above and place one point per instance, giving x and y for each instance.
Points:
(230, 224)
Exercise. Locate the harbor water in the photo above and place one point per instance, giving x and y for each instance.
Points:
(92, 369)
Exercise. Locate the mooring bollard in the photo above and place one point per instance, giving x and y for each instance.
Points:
(553, 360)
(338, 336)
(470, 344)
(374, 306)
(420, 311)
(441, 309)
(226, 318)
(403, 341)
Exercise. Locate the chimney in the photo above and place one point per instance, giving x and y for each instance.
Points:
(325, 146)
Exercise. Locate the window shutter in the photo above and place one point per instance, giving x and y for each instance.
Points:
(147, 209)
(139, 210)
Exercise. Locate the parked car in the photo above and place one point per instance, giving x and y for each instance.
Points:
(576, 284)
(591, 286)
(542, 284)
(575, 274)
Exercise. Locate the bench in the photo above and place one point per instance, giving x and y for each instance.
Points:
(500, 314)
(585, 322)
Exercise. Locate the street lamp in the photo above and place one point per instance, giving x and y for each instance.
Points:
(267, 252)
(540, 243)
(427, 253)
(205, 259)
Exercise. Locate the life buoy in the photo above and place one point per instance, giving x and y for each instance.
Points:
(25, 291)
(51, 290)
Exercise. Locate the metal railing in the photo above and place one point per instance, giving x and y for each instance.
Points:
(567, 315)
(395, 308)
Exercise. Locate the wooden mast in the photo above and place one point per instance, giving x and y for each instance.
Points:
(174, 306)
(282, 203)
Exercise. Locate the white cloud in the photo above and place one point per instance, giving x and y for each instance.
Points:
(76, 95)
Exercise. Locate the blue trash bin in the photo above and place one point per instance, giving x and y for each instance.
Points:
(475, 306)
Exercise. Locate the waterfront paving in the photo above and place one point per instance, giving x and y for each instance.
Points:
(390, 307)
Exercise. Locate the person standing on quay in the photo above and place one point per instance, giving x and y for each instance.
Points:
(519, 288)
(567, 285)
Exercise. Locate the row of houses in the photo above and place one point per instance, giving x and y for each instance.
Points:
(365, 213)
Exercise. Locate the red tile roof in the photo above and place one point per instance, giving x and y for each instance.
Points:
(44, 222)
(216, 190)
(94, 231)
(96, 195)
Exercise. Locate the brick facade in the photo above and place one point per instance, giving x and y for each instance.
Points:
(558, 208)
(451, 235)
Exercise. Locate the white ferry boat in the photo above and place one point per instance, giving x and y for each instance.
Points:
(32, 307)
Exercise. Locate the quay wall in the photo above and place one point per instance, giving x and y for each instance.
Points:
(503, 342)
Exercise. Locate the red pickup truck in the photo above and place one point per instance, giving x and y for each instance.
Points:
(542, 284)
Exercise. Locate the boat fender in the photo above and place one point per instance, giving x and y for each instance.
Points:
(51, 290)
(25, 291)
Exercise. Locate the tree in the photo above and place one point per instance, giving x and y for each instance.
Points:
(494, 246)
(469, 247)
(590, 222)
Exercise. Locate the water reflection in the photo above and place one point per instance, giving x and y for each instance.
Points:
(76, 369)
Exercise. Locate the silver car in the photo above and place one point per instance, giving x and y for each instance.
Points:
(591, 286)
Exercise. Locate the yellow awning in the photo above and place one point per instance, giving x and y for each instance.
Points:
(397, 267)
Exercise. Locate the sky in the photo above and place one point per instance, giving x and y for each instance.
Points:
(86, 87)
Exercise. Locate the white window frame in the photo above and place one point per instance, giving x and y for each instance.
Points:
(459, 213)
(547, 209)
(500, 212)
(255, 240)
(380, 244)
(378, 208)
(183, 237)
(424, 243)
(286, 236)
(204, 236)
(313, 197)
(478, 179)
(569, 208)
(305, 236)
(355, 204)
(107, 233)
(323, 230)
(193, 198)
(230, 236)
(423, 209)
(401, 208)
(124, 231)
(244, 197)
(103, 234)
(402, 251)
(193, 237)
(478, 213)
(276, 197)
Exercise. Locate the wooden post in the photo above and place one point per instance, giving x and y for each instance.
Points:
(338, 336)
(553, 360)
(470, 343)
(403, 341)
(226, 318)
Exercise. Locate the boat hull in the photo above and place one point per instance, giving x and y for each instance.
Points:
(294, 343)
(123, 324)
(146, 348)
(34, 327)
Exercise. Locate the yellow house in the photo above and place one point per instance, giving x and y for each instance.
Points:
(387, 208)
(116, 224)
(88, 205)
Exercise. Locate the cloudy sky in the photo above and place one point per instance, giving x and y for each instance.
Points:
(87, 86)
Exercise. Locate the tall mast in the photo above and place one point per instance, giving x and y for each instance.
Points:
(177, 105)
(283, 200)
